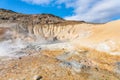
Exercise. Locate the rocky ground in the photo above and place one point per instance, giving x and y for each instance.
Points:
(61, 64)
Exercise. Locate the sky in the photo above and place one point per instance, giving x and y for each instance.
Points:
(96, 11)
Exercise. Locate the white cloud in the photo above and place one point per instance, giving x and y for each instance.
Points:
(87, 10)
(38, 2)
(95, 11)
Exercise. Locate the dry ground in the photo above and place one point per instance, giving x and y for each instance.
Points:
(55, 65)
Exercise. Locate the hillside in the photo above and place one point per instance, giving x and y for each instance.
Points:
(47, 47)
(11, 16)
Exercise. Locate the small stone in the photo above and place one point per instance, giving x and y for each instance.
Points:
(20, 58)
(36, 77)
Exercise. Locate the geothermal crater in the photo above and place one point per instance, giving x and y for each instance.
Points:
(47, 47)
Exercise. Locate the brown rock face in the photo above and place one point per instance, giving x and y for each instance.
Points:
(10, 16)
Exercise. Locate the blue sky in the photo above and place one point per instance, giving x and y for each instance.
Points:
(84, 10)
(27, 8)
